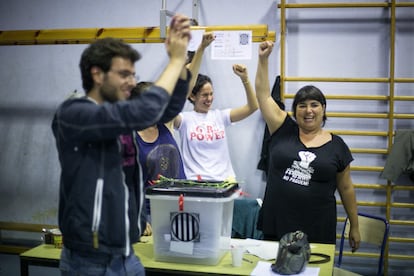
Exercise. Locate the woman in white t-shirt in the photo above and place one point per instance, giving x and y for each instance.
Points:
(203, 138)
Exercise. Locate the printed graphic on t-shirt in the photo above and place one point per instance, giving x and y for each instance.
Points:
(206, 132)
(164, 159)
(300, 172)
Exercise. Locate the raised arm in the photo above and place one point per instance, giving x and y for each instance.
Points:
(195, 64)
(271, 112)
(176, 45)
(239, 113)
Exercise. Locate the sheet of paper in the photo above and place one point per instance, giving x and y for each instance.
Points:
(195, 41)
(182, 247)
(232, 45)
(245, 242)
(265, 250)
(264, 269)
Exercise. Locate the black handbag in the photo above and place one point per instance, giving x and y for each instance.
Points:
(294, 253)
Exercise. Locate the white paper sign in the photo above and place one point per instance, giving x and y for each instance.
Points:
(182, 247)
(232, 45)
(264, 269)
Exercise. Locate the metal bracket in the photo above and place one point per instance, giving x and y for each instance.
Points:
(164, 13)
(196, 6)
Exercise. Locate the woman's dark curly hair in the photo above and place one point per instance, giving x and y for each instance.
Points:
(140, 88)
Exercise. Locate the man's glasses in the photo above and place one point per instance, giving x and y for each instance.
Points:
(125, 74)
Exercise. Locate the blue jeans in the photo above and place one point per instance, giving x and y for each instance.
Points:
(80, 263)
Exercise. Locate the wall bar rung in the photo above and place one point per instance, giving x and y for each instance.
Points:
(402, 188)
(401, 257)
(401, 222)
(357, 115)
(370, 186)
(369, 151)
(359, 133)
(402, 205)
(404, 4)
(403, 240)
(336, 79)
(357, 97)
(403, 116)
(361, 97)
(336, 5)
(371, 255)
(345, 5)
(367, 168)
(371, 204)
(349, 97)
(366, 203)
(403, 98)
(404, 79)
(360, 254)
(390, 256)
(130, 35)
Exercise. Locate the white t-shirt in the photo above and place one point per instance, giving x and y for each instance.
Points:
(204, 146)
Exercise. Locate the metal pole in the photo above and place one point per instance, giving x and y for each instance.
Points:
(195, 9)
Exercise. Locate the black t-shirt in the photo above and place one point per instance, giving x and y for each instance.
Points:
(301, 184)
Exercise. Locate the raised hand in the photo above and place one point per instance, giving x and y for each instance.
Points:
(178, 37)
(241, 71)
(176, 45)
(207, 39)
(265, 49)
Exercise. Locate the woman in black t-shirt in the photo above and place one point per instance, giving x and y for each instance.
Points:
(306, 166)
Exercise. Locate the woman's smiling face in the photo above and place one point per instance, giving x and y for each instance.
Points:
(203, 99)
(309, 114)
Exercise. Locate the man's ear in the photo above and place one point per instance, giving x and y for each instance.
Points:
(97, 75)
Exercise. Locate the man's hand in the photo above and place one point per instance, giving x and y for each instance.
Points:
(179, 35)
(148, 230)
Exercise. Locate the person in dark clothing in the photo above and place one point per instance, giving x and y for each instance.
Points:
(99, 212)
(307, 164)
